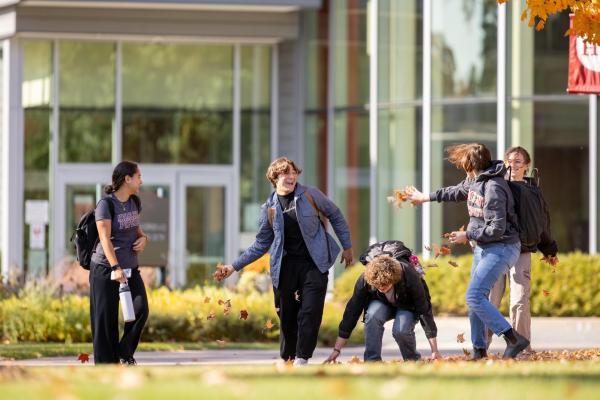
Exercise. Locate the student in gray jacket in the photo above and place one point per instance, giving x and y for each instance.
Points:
(493, 226)
(302, 252)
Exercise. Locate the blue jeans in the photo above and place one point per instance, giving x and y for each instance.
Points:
(490, 262)
(403, 330)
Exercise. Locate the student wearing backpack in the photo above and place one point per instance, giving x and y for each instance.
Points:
(302, 252)
(120, 240)
(493, 227)
(392, 287)
(519, 274)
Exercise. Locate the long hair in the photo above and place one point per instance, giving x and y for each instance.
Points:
(122, 170)
(470, 156)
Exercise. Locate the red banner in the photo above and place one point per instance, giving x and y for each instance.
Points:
(584, 66)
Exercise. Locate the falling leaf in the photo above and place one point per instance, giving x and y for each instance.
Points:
(453, 263)
(446, 235)
(83, 358)
(461, 229)
(227, 303)
(445, 250)
(460, 338)
(466, 352)
(354, 360)
(427, 248)
(432, 265)
(269, 324)
(226, 310)
(207, 299)
(244, 315)
(390, 199)
(211, 315)
(221, 343)
(545, 292)
(297, 295)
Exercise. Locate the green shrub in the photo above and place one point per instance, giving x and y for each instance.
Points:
(572, 290)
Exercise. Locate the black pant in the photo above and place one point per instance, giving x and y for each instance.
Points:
(299, 319)
(104, 314)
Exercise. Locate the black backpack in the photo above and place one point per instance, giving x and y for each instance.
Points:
(530, 208)
(85, 237)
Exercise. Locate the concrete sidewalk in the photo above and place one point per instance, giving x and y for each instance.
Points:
(547, 333)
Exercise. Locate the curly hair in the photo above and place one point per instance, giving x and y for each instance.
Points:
(383, 271)
(280, 166)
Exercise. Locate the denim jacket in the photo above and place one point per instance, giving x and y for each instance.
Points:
(321, 246)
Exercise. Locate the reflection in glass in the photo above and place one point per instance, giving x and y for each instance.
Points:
(399, 164)
(464, 48)
(351, 174)
(177, 103)
(453, 124)
(80, 199)
(87, 101)
(255, 76)
(400, 51)
(205, 232)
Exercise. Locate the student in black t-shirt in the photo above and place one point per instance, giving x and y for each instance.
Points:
(121, 239)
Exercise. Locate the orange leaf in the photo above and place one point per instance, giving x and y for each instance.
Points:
(221, 343)
(445, 250)
(211, 315)
(546, 292)
(207, 299)
(269, 324)
(244, 315)
(460, 338)
(227, 303)
(432, 265)
(83, 357)
(461, 229)
(446, 235)
(466, 352)
(453, 263)
(354, 360)
(226, 310)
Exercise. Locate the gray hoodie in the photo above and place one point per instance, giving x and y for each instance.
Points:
(490, 204)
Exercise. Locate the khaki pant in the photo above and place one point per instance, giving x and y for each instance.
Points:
(519, 280)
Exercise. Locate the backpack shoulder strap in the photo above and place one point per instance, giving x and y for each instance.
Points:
(311, 200)
(111, 205)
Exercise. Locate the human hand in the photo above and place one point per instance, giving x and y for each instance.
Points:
(552, 260)
(118, 275)
(332, 359)
(222, 272)
(347, 257)
(435, 355)
(458, 237)
(140, 244)
(415, 196)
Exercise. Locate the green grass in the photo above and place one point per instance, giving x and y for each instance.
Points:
(20, 351)
(448, 380)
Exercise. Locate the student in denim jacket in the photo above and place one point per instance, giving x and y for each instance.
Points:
(292, 230)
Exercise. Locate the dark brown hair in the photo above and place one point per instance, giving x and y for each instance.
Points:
(520, 150)
(122, 170)
(280, 166)
(470, 156)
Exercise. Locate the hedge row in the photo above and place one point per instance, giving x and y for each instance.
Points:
(572, 289)
(37, 314)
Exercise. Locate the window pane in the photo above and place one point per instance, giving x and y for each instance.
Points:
(398, 165)
(551, 58)
(464, 48)
(315, 150)
(351, 174)
(255, 132)
(453, 124)
(400, 51)
(351, 62)
(87, 101)
(36, 95)
(316, 62)
(177, 103)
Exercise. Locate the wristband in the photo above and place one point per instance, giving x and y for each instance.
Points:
(115, 267)
(338, 350)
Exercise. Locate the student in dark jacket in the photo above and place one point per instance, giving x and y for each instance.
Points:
(388, 289)
(519, 274)
(493, 228)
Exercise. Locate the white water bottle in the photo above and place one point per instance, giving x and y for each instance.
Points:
(126, 303)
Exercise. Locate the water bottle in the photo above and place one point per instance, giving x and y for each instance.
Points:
(126, 303)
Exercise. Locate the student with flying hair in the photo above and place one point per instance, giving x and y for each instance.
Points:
(292, 226)
(493, 229)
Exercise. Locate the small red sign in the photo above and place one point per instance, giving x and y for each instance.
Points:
(584, 66)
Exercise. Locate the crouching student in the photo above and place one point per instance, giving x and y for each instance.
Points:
(390, 288)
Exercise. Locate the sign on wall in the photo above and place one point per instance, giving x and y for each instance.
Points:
(584, 66)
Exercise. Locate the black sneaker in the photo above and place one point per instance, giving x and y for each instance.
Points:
(129, 361)
(514, 348)
(478, 354)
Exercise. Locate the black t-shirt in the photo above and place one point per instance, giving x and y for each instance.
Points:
(293, 242)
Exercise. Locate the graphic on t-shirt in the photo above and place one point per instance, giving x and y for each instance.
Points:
(128, 220)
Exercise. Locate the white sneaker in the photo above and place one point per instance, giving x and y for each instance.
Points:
(300, 362)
